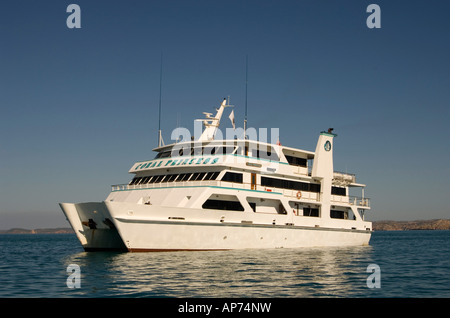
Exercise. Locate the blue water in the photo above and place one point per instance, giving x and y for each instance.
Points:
(412, 264)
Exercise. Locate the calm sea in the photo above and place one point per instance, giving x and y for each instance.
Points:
(411, 264)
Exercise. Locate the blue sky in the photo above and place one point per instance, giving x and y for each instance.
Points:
(80, 106)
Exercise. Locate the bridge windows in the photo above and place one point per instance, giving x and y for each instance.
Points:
(296, 161)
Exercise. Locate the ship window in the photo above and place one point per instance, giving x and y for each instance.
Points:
(185, 177)
(311, 212)
(224, 150)
(210, 150)
(153, 179)
(336, 214)
(223, 205)
(338, 191)
(144, 180)
(135, 180)
(164, 154)
(150, 179)
(268, 153)
(196, 151)
(158, 179)
(295, 161)
(170, 178)
(314, 187)
(229, 150)
(288, 184)
(200, 176)
(138, 180)
(211, 176)
(232, 177)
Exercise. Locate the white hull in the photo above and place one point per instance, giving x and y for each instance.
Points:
(151, 228)
(176, 236)
(103, 237)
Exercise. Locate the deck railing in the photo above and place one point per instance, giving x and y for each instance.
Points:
(180, 184)
(313, 196)
(352, 200)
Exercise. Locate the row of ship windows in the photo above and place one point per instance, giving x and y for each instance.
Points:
(300, 186)
(197, 151)
(288, 184)
(237, 206)
(215, 204)
(236, 178)
(228, 176)
(269, 154)
(197, 176)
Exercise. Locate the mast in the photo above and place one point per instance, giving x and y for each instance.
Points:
(212, 123)
(160, 140)
(246, 84)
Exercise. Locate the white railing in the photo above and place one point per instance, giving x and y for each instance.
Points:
(305, 195)
(217, 183)
(352, 200)
(210, 183)
(344, 176)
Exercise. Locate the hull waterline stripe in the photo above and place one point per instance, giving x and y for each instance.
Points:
(229, 224)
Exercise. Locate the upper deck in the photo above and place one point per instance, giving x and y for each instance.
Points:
(238, 154)
(249, 165)
(242, 155)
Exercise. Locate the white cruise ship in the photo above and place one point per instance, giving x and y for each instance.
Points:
(209, 194)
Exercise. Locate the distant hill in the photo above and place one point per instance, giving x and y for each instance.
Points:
(37, 231)
(439, 224)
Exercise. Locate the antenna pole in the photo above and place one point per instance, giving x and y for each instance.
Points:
(246, 84)
(160, 89)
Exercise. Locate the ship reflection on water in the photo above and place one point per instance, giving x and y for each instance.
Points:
(308, 272)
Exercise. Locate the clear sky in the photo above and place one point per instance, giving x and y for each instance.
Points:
(79, 106)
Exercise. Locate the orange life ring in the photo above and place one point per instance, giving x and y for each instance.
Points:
(299, 194)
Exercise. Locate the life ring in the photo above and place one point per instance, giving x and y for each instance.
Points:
(299, 194)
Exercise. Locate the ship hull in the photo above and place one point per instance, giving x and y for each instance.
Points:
(152, 228)
(108, 226)
(202, 236)
(93, 227)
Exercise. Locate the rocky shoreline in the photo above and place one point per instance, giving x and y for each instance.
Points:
(38, 231)
(439, 224)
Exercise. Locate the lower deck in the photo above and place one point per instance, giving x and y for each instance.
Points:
(260, 202)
